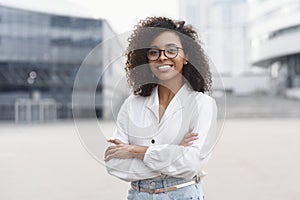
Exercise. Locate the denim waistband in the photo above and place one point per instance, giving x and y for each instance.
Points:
(157, 183)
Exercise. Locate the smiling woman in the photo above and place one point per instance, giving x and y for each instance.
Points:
(168, 65)
(164, 125)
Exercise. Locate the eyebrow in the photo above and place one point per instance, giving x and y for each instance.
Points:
(169, 44)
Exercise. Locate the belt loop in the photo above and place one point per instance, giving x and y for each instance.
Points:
(197, 179)
(138, 185)
(164, 181)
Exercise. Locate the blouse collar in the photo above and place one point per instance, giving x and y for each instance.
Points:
(176, 103)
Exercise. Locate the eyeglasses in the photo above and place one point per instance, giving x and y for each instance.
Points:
(170, 52)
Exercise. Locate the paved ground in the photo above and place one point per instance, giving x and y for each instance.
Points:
(254, 159)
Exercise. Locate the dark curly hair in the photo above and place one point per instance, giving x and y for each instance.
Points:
(139, 76)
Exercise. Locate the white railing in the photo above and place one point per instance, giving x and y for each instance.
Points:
(35, 110)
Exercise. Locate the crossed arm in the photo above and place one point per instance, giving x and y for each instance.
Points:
(133, 162)
(125, 151)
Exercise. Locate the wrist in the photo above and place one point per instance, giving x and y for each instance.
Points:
(138, 151)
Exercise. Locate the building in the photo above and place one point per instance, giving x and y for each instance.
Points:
(222, 25)
(40, 55)
(274, 32)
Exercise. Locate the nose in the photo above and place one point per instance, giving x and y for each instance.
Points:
(162, 55)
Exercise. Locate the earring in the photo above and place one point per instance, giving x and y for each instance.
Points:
(186, 62)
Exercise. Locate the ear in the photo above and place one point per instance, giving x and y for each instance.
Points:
(186, 59)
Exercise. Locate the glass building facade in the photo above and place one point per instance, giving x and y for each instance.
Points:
(43, 52)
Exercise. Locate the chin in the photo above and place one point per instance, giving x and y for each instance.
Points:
(168, 77)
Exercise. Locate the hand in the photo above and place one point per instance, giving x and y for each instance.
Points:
(188, 139)
(122, 150)
(115, 141)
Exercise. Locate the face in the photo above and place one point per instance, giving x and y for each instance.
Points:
(169, 64)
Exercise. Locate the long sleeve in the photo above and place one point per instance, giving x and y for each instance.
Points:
(186, 162)
(127, 169)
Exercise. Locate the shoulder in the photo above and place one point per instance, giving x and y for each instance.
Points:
(204, 105)
(200, 97)
(202, 102)
(129, 104)
(134, 101)
(204, 97)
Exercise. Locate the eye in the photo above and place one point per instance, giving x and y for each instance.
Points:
(172, 50)
(153, 52)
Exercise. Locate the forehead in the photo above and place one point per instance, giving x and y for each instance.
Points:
(165, 38)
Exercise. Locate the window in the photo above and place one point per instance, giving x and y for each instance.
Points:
(89, 42)
(61, 41)
(59, 21)
(85, 23)
(77, 23)
(284, 31)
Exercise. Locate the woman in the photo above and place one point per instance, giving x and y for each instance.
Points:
(163, 126)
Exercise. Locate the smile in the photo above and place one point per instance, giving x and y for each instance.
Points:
(164, 68)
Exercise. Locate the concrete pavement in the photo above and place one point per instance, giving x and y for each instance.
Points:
(254, 159)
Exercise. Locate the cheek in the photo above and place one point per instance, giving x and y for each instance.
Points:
(179, 63)
(151, 67)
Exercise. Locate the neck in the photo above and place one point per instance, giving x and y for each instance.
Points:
(166, 91)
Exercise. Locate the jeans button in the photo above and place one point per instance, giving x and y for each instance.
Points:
(152, 184)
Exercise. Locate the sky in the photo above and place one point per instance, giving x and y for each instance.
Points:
(121, 14)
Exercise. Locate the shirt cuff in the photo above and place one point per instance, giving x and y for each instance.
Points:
(151, 154)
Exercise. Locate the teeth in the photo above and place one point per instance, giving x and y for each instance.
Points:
(164, 67)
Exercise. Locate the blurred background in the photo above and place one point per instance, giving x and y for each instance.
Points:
(254, 47)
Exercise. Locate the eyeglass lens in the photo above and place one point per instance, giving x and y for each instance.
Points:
(169, 52)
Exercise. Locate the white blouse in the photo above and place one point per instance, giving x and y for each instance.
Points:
(138, 124)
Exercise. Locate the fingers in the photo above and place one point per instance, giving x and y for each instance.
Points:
(190, 134)
(118, 151)
(189, 139)
(108, 157)
(113, 148)
(115, 141)
(111, 152)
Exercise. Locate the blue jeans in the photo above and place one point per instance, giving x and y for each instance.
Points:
(189, 192)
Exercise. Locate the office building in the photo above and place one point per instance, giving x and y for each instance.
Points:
(223, 26)
(40, 55)
(274, 32)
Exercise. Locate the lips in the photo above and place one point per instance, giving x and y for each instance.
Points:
(164, 68)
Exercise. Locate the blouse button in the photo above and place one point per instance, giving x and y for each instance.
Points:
(152, 141)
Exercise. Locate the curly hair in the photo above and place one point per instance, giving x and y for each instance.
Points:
(139, 76)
